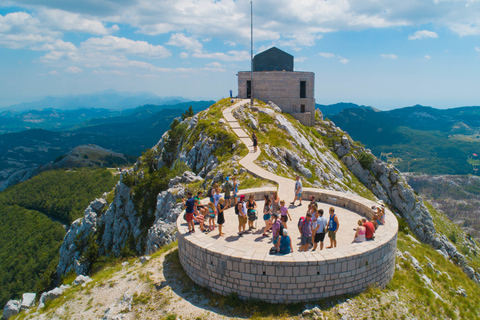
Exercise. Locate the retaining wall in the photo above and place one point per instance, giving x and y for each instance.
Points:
(299, 276)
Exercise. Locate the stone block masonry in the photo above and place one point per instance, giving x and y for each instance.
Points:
(283, 88)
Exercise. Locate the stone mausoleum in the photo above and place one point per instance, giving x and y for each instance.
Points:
(274, 79)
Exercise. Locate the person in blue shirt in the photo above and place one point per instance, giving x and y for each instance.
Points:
(332, 227)
(285, 243)
(189, 209)
(298, 191)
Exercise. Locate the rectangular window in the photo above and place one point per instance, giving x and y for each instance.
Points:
(249, 89)
(302, 108)
(303, 89)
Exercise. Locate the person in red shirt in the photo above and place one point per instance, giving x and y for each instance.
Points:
(370, 229)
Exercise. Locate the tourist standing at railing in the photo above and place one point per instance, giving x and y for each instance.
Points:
(275, 202)
(241, 210)
(306, 232)
(235, 189)
(333, 226)
(189, 209)
(320, 228)
(298, 191)
(267, 217)
(251, 212)
(227, 189)
(284, 213)
(220, 216)
(276, 227)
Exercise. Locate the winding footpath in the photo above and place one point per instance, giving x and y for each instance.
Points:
(286, 187)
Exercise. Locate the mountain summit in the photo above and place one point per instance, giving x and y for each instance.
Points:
(138, 217)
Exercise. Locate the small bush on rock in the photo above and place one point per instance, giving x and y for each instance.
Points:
(366, 160)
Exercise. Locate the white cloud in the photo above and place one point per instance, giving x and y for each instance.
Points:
(389, 56)
(22, 30)
(427, 57)
(125, 46)
(232, 55)
(470, 28)
(214, 66)
(343, 60)
(477, 49)
(301, 59)
(57, 45)
(327, 55)
(422, 34)
(230, 43)
(54, 73)
(188, 43)
(73, 70)
(67, 21)
(115, 72)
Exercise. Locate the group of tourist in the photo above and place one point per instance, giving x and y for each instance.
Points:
(313, 227)
(196, 212)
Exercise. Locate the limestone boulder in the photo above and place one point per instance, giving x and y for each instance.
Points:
(11, 309)
(98, 205)
(81, 279)
(28, 300)
(51, 295)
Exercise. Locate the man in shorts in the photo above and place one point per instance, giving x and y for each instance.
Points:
(189, 209)
(320, 228)
(306, 232)
(242, 215)
(298, 191)
(333, 226)
(227, 189)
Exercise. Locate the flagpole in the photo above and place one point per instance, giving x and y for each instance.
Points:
(251, 52)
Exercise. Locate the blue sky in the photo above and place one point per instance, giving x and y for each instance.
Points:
(386, 54)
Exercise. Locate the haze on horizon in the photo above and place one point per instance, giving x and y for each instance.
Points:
(385, 54)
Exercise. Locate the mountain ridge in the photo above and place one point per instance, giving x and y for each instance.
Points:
(146, 204)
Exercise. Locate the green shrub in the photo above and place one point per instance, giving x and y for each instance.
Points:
(453, 237)
(366, 160)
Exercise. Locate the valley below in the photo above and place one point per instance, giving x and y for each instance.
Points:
(457, 196)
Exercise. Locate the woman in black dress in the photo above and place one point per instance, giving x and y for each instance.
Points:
(255, 142)
(220, 217)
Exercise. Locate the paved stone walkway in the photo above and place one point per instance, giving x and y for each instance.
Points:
(286, 186)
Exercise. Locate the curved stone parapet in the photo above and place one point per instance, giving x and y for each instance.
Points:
(243, 265)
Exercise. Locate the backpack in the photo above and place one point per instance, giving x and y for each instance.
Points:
(236, 209)
(301, 221)
(210, 192)
(273, 250)
(280, 232)
(236, 187)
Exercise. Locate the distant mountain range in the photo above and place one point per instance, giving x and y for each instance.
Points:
(338, 107)
(418, 138)
(128, 132)
(108, 99)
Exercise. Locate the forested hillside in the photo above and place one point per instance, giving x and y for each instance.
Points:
(29, 238)
(418, 139)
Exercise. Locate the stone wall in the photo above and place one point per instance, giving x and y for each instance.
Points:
(299, 276)
(282, 88)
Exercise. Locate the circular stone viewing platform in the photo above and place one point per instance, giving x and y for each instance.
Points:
(243, 265)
